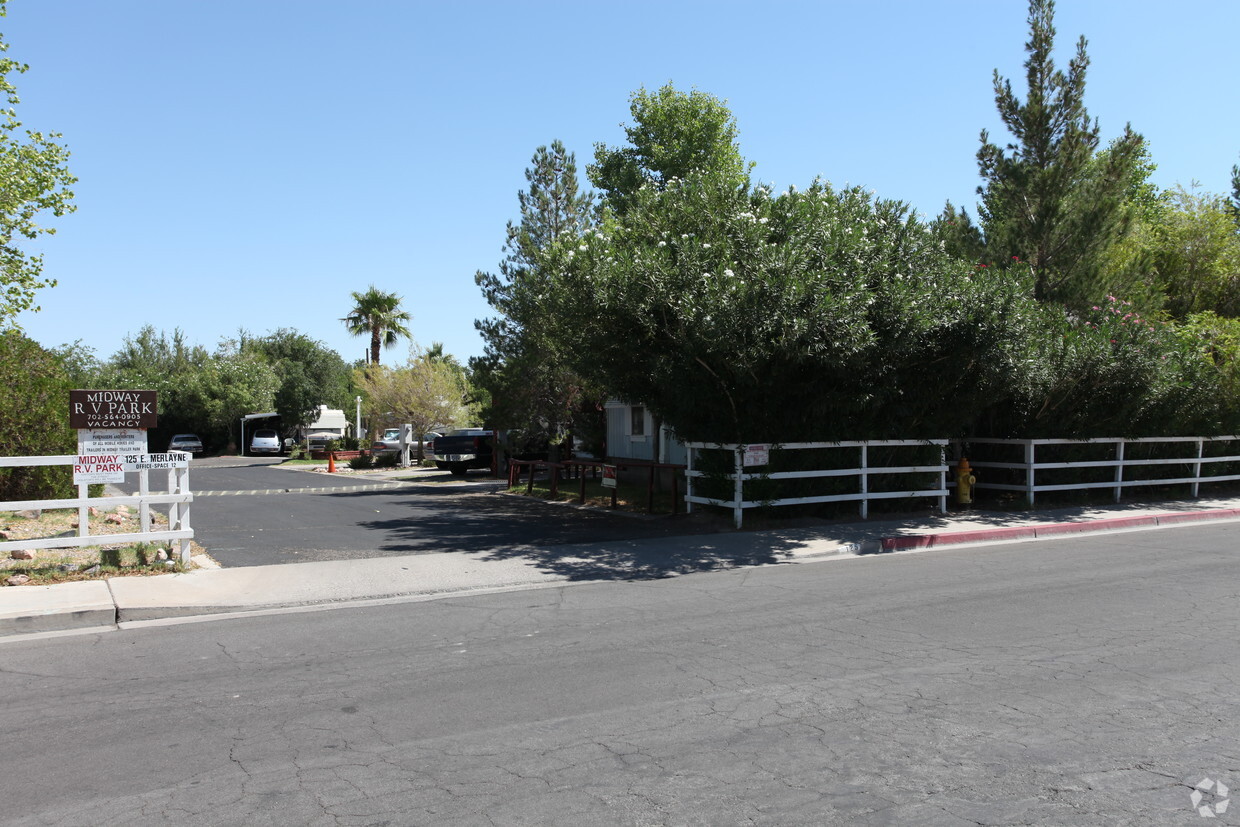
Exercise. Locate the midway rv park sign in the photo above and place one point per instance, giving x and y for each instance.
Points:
(111, 426)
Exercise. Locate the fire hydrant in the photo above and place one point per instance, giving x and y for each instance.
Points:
(964, 482)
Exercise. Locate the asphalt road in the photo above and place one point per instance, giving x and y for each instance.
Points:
(247, 512)
(1083, 682)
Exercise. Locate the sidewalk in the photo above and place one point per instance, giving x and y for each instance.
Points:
(103, 604)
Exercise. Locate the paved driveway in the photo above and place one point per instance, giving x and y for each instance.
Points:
(247, 512)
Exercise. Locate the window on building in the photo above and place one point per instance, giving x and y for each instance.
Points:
(637, 420)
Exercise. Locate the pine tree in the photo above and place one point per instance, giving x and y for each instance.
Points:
(529, 384)
(1050, 201)
(1235, 193)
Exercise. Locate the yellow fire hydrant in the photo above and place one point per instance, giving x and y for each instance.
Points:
(964, 482)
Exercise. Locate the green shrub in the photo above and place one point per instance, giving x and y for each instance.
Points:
(362, 463)
(34, 419)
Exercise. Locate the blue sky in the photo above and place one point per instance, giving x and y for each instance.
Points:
(249, 163)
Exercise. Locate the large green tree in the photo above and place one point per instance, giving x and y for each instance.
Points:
(524, 367)
(199, 391)
(34, 182)
(378, 316)
(736, 315)
(426, 392)
(310, 374)
(169, 365)
(673, 133)
(1187, 250)
(1050, 202)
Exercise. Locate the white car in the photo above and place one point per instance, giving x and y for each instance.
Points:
(265, 441)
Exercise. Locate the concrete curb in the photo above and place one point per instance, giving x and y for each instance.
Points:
(77, 605)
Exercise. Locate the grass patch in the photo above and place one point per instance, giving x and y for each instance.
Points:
(61, 565)
(65, 565)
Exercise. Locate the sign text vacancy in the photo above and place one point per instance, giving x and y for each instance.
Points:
(112, 409)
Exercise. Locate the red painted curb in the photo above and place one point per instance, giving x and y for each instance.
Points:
(947, 538)
(980, 535)
(1197, 516)
(1096, 525)
(983, 535)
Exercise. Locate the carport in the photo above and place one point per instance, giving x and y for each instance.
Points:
(246, 419)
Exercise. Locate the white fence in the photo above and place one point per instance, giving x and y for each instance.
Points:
(1192, 458)
(177, 498)
(862, 471)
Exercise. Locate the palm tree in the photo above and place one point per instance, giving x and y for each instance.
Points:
(378, 315)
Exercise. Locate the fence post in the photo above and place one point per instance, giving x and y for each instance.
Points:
(689, 452)
(144, 508)
(174, 509)
(943, 479)
(738, 492)
(1119, 469)
(83, 511)
(865, 482)
(183, 516)
(1197, 467)
(1030, 456)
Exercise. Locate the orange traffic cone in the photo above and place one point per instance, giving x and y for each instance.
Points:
(331, 462)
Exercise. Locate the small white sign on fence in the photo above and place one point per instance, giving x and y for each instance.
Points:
(757, 455)
(154, 462)
(609, 476)
(95, 468)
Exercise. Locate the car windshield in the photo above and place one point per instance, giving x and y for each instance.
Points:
(265, 435)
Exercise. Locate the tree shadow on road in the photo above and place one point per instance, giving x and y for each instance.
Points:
(578, 543)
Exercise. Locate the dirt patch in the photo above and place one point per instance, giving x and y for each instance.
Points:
(58, 565)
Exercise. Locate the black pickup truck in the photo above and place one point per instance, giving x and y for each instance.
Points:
(458, 451)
